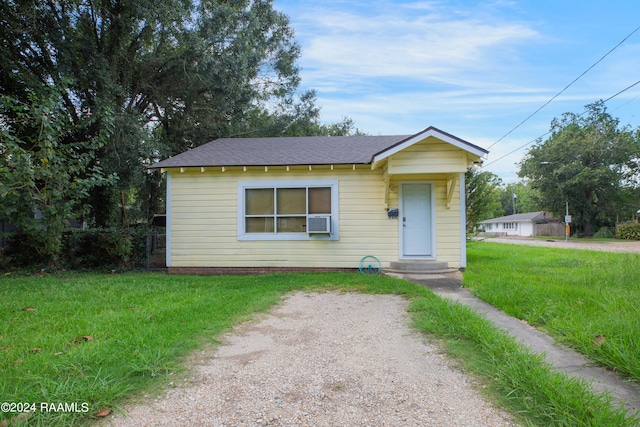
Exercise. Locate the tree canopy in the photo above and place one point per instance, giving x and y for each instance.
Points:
(45, 173)
(173, 73)
(590, 162)
(519, 197)
(132, 82)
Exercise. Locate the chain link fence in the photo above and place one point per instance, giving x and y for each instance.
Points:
(156, 251)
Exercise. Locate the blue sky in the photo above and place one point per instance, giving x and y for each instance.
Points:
(475, 69)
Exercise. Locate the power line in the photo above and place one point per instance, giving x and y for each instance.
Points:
(623, 90)
(548, 132)
(517, 149)
(565, 88)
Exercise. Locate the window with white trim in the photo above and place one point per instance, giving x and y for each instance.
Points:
(281, 210)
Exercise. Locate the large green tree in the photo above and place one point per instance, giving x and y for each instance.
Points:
(482, 196)
(173, 73)
(589, 162)
(45, 171)
(294, 117)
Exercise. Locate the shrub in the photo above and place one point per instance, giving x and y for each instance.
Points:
(112, 248)
(629, 231)
(95, 248)
(22, 251)
(604, 233)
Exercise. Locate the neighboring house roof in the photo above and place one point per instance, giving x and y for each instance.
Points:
(307, 150)
(535, 217)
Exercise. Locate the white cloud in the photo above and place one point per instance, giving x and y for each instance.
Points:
(417, 42)
(476, 69)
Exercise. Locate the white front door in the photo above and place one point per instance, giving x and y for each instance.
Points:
(416, 220)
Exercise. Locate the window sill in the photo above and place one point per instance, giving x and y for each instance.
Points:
(286, 236)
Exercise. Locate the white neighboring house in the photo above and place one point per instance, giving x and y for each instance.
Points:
(524, 224)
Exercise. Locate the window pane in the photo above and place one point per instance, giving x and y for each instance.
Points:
(259, 201)
(260, 225)
(292, 224)
(291, 201)
(320, 200)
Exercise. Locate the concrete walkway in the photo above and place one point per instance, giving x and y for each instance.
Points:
(563, 358)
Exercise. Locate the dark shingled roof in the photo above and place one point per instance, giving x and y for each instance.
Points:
(537, 217)
(308, 150)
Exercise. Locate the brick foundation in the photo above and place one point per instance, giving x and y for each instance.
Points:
(241, 271)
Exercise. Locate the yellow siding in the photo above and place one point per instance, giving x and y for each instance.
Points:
(430, 155)
(448, 237)
(203, 217)
(204, 222)
(448, 231)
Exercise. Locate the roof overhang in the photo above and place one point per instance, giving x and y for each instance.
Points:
(420, 136)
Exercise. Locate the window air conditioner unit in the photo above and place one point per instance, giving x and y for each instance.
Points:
(318, 224)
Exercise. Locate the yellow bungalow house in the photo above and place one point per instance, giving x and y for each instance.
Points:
(249, 205)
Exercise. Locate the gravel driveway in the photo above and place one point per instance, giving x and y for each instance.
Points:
(321, 359)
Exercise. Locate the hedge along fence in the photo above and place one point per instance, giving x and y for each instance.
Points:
(111, 248)
(121, 249)
(628, 230)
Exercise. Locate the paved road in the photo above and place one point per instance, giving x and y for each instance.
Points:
(586, 244)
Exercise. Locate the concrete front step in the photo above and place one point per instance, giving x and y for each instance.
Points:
(419, 267)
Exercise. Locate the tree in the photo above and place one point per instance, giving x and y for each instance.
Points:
(482, 197)
(525, 200)
(45, 172)
(585, 163)
(173, 73)
(299, 117)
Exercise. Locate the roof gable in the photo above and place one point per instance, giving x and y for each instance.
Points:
(434, 132)
(311, 150)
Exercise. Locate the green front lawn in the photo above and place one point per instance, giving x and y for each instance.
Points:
(97, 340)
(586, 299)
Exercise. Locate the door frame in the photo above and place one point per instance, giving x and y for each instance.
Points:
(433, 228)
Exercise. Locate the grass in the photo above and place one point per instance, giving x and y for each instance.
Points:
(99, 338)
(102, 339)
(523, 382)
(585, 299)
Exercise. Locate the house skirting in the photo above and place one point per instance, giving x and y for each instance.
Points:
(235, 271)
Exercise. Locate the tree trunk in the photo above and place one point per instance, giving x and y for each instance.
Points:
(586, 228)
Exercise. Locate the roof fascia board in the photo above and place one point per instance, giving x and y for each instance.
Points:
(423, 135)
